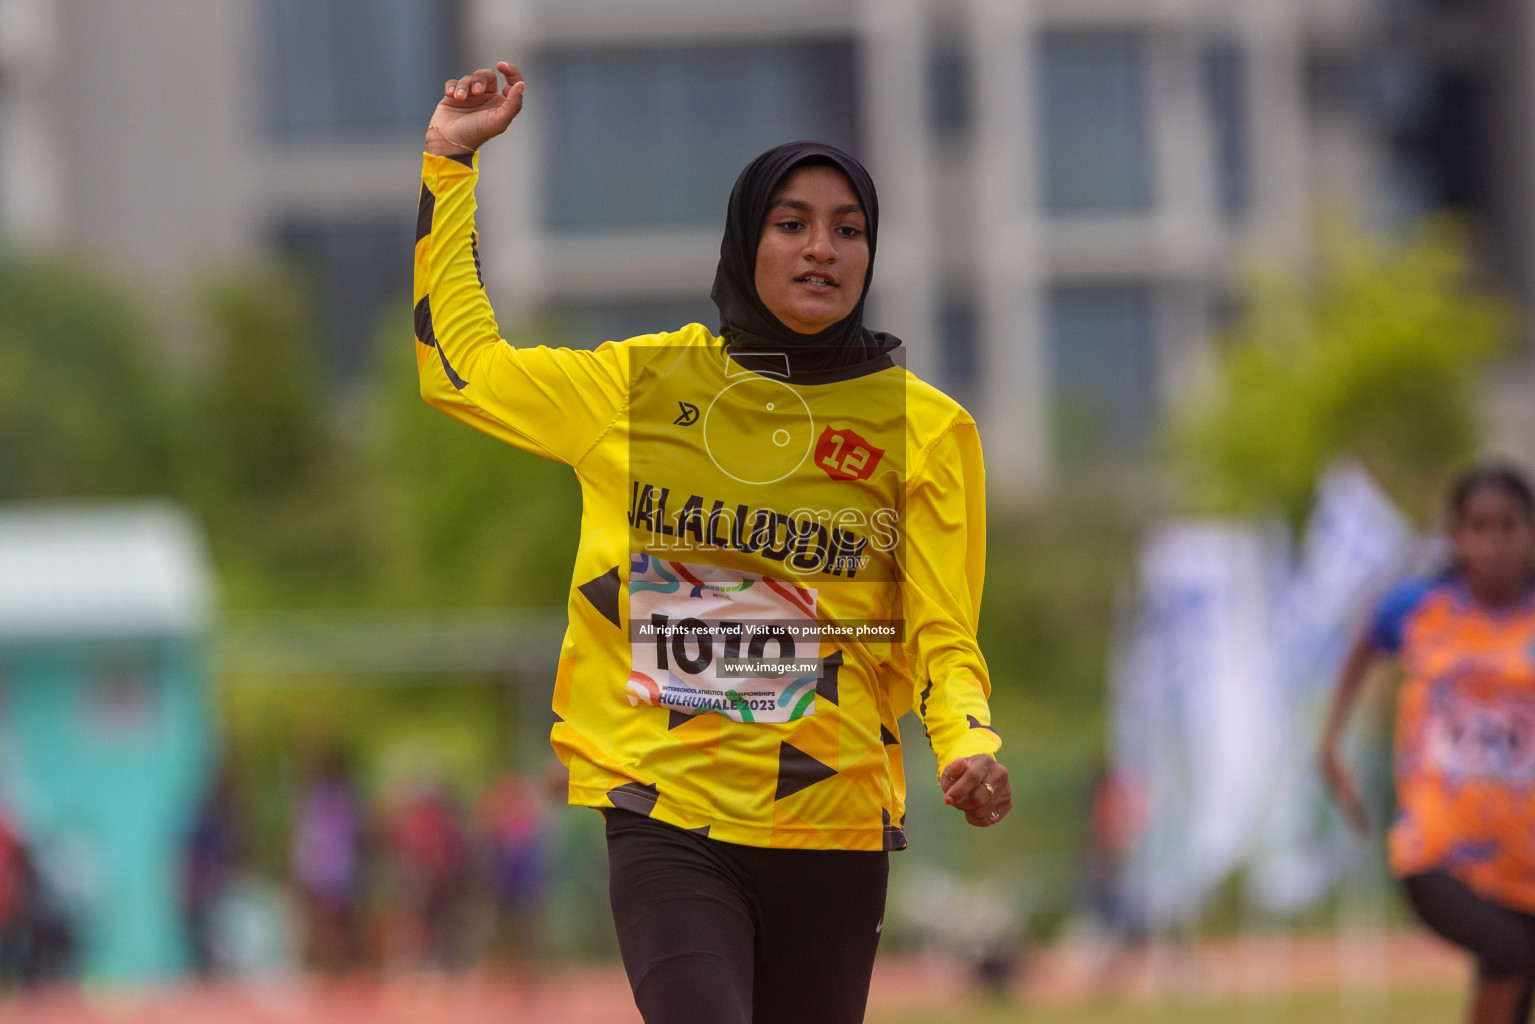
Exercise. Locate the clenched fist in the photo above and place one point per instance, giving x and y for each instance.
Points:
(977, 785)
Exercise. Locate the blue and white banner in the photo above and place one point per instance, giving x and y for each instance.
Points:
(1356, 544)
(1195, 703)
(1218, 691)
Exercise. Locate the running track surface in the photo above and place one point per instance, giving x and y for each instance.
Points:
(600, 995)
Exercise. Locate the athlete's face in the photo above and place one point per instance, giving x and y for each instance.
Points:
(1494, 540)
(814, 251)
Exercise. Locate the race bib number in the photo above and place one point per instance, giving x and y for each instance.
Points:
(1493, 739)
(706, 639)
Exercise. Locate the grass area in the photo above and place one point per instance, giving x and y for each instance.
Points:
(1403, 1005)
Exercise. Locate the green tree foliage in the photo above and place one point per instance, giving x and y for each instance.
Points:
(260, 404)
(1376, 353)
(269, 472)
(83, 411)
(461, 519)
(1046, 630)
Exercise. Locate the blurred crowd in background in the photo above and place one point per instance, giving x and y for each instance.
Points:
(416, 878)
(1213, 278)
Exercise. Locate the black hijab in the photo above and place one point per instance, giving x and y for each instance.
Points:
(749, 329)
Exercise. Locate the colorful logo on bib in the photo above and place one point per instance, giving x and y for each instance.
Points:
(845, 455)
(641, 689)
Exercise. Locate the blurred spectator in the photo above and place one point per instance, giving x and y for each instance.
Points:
(36, 941)
(512, 838)
(49, 955)
(13, 900)
(212, 854)
(253, 929)
(429, 865)
(979, 922)
(327, 855)
(1115, 820)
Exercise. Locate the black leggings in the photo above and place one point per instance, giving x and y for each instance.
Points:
(1501, 938)
(716, 933)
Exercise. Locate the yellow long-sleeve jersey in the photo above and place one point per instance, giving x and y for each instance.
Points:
(772, 569)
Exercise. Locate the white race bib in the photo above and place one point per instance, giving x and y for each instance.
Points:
(711, 639)
(1482, 739)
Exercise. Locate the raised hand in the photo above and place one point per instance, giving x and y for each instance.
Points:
(473, 110)
(977, 785)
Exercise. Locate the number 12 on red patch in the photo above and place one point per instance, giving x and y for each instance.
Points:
(845, 455)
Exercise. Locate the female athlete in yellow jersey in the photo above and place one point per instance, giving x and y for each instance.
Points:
(782, 551)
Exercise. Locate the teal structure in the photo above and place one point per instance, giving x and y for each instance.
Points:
(106, 738)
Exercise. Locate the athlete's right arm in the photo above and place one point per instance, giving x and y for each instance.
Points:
(553, 402)
(1338, 775)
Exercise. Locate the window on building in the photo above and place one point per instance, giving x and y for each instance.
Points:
(1455, 137)
(949, 89)
(1095, 123)
(1226, 100)
(357, 270)
(1436, 125)
(1103, 368)
(1396, 92)
(1408, 8)
(588, 324)
(654, 137)
(357, 68)
(959, 343)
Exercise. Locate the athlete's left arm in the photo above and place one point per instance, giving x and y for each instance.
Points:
(943, 546)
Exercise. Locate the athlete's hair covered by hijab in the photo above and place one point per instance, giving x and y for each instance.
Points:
(746, 324)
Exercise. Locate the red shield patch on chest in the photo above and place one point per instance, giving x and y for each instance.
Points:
(845, 455)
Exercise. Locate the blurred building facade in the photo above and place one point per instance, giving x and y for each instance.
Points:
(1066, 184)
